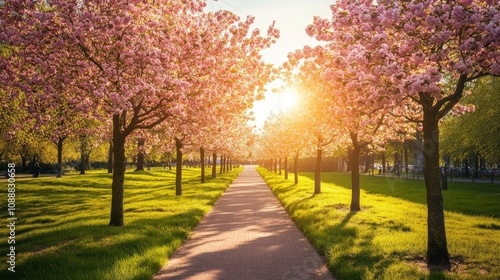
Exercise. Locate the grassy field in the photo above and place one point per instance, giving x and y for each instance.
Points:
(388, 238)
(460, 197)
(62, 231)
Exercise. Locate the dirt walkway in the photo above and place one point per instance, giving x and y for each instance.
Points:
(247, 235)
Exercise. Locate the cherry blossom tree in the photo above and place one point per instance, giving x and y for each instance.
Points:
(57, 117)
(90, 137)
(305, 72)
(283, 137)
(226, 74)
(120, 54)
(44, 92)
(136, 63)
(413, 46)
(360, 119)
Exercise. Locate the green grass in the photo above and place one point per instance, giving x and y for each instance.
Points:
(388, 238)
(461, 197)
(62, 231)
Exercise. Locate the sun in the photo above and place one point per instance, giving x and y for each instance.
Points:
(283, 101)
(288, 100)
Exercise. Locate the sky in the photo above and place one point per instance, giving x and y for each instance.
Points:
(292, 18)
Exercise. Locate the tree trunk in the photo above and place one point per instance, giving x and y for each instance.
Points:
(221, 169)
(202, 164)
(279, 166)
(286, 168)
(178, 167)
(140, 155)
(437, 247)
(82, 163)
(296, 168)
(88, 164)
(349, 155)
(317, 172)
(396, 163)
(354, 161)
(24, 160)
(367, 164)
(169, 163)
(373, 164)
(110, 157)
(405, 153)
(117, 187)
(83, 153)
(35, 159)
(383, 163)
(59, 157)
(214, 165)
(476, 166)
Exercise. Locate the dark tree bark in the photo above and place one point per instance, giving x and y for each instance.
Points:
(279, 166)
(214, 165)
(317, 171)
(373, 164)
(118, 173)
(222, 164)
(178, 168)
(24, 161)
(169, 163)
(367, 164)
(437, 248)
(82, 163)
(476, 166)
(354, 162)
(405, 153)
(85, 150)
(296, 168)
(59, 156)
(286, 168)
(110, 157)
(202, 164)
(383, 163)
(32, 164)
(140, 155)
(433, 111)
(397, 163)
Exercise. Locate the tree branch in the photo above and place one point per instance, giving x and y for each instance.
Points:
(444, 106)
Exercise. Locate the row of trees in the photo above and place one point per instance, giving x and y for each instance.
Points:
(80, 155)
(387, 69)
(134, 69)
(472, 138)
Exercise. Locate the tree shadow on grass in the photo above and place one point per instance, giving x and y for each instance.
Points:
(352, 255)
(359, 256)
(91, 252)
(76, 248)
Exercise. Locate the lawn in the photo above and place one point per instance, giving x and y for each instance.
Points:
(62, 231)
(461, 197)
(387, 239)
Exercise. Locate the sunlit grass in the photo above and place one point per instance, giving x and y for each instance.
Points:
(62, 231)
(388, 238)
(461, 197)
